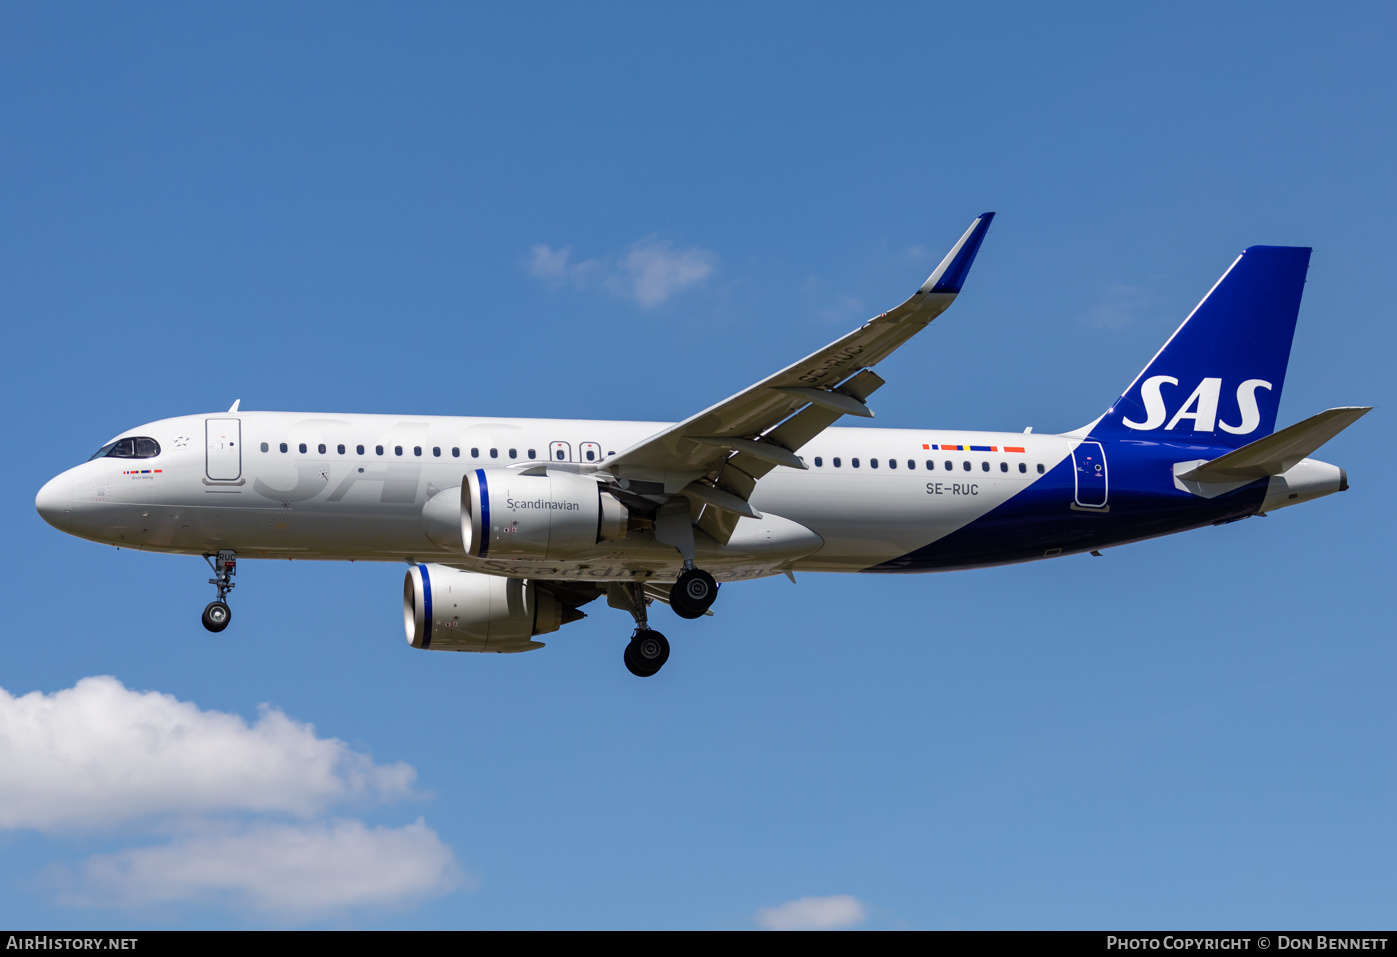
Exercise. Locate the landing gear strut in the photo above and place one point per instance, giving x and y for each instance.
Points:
(217, 614)
(694, 592)
(648, 650)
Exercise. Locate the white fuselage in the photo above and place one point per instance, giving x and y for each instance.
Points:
(312, 486)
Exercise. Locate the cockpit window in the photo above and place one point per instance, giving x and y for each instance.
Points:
(135, 447)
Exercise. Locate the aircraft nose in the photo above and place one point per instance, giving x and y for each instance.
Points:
(55, 502)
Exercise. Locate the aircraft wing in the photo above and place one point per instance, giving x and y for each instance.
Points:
(732, 444)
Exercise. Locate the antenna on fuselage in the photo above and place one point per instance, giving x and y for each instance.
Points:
(234, 406)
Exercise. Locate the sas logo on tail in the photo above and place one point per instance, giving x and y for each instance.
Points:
(1201, 408)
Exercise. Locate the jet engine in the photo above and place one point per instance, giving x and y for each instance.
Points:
(447, 609)
(510, 514)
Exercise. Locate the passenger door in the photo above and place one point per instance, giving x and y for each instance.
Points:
(1090, 461)
(223, 456)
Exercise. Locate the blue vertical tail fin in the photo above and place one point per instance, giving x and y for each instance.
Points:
(1218, 379)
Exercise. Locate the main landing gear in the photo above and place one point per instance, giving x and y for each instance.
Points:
(694, 592)
(217, 614)
(690, 597)
(648, 650)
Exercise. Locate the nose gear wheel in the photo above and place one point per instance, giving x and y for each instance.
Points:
(217, 614)
(224, 565)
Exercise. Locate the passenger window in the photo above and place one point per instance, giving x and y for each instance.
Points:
(873, 463)
(966, 465)
(339, 449)
(930, 465)
(358, 450)
(836, 461)
(417, 450)
(283, 446)
(302, 447)
(514, 453)
(322, 448)
(854, 463)
(455, 453)
(950, 465)
(892, 463)
(266, 447)
(911, 464)
(378, 450)
(494, 453)
(1022, 467)
(984, 466)
(1040, 468)
(819, 462)
(436, 451)
(1003, 466)
(532, 455)
(475, 453)
(397, 450)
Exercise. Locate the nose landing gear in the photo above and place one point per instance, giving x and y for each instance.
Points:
(217, 614)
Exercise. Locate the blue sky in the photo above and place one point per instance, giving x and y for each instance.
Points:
(357, 208)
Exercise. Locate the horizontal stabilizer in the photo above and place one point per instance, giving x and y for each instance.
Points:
(1277, 452)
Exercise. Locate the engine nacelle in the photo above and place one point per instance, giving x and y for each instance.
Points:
(447, 609)
(508, 514)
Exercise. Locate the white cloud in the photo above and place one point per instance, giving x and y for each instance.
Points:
(814, 913)
(649, 272)
(292, 871)
(545, 262)
(654, 270)
(555, 266)
(99, 754)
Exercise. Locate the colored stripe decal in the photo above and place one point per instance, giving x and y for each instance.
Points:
(975, 448)
(426, 607)
(484, 513)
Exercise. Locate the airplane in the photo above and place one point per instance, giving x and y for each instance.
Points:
(510, 526)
